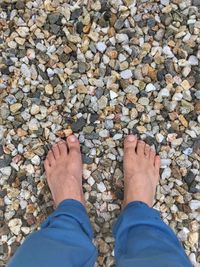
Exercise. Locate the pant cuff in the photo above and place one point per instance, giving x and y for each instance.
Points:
(74, 209)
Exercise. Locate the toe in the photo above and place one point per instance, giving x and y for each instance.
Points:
(140, 147)
(152, 155)
(56, 151)
(130, 143)
(47, 165)
(63, 148)
(51, 158)
(157, 163)
(73, 144)
(147, 150)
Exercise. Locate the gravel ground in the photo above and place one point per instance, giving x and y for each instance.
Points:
(100, 69)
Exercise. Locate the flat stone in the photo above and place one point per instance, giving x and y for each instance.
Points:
(4, 111)
(41, 47)
(101, 187)
(35, 160)
(102, 102)
(150, 87)
(144, 101)
(35, 109)
(11, 99)
(177, 97)
(54, 28)
(117, 136)
(113, 95)
(25, 71)
(15, 225)
(186, 85)
(193, 61)
(166, 173)
(20, 4)
(86, 159)
(78, 125)
(194, 204)
(164, 2)
(49, 89)
(15, 107)
(119, 24)
(159, 137)
(101, 47)
(82, 66)
(167, 51)
(20, 40)
(189, 178)
(6, 170)
(53, 17)
(126, 74)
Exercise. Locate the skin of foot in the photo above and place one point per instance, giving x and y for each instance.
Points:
(63, 166)
(141, 171)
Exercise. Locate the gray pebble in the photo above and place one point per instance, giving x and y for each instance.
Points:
(78, 125)
(6, 161)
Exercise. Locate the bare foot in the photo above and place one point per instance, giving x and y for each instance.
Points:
(63, 167)
(141, 171)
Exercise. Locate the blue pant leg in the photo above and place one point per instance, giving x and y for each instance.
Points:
(144, 240)
(65, 239)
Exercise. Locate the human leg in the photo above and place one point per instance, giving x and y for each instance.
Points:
(65, 237)
(142, 238)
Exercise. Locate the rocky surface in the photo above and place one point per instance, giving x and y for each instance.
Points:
(100, 69)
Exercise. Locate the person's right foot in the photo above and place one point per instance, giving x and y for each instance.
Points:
(141, 171)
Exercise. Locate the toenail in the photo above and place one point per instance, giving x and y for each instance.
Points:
(131, 138)
(72, 138)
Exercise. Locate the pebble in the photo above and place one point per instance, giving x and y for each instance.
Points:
(126, 74)
(104, 133)
(117, 136)
(41, 47)
(25, 71)
(159, 137)
(166, 173)
(6, 171)
(15, 225)
(113, 95)
(194, 204)
(11, 99)
(35, 160)
(101, 47)
(15, 107)
(164, 2)
(193, 60)
(49, 89)
(177, 97)
(186, 85)
(150, 87)
(102, 102)
(78, 125)
(35, 109)
(167, 51)
(144, 101)
(101, 187)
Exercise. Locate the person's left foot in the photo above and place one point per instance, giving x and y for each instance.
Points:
(63, 167)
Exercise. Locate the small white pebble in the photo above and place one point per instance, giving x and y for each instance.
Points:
(101, 187)
(126, 74)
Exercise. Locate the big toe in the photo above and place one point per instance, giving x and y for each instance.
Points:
(73, 144)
